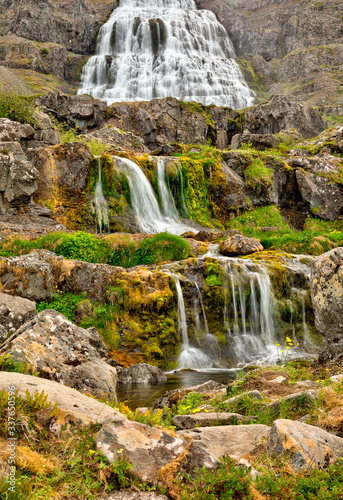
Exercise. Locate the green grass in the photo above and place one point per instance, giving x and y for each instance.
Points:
(17, 108)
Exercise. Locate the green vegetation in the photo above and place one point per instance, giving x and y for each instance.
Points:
(17, 108)
(258, 175)
(73, 134)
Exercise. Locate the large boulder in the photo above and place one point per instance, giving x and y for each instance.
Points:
(257, 141)
(239, 245)
(141, 373)
(305, 446)
(227, 191)
(148, 449)
(15, 311)
(72, 405)
(232, 440)
(59, 350)
(279, 114)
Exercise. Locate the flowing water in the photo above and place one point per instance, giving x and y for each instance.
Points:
(165, 48)
(99, 207)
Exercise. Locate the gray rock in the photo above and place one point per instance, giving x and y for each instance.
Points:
(141, 373)
(209, 419)
(305, 446)
(232, 440)
(303, 398)
(133, 495)
(251, 394)
(147, 448)
(258, 141)
(15, 311)
(65, 353)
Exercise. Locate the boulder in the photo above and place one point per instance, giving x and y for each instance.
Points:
(303, 399)
(239, 245)
(148, 449)
(227, 191)
(171, 398)
(257, 141)
(133, 495)
(15, 311)
(208, 420)
(327, 294)
(119, 140)
(73, 406)
(141, 373)
(59, 350)
(305, 446)
(236, 441)
(240, 397)
(280, 113)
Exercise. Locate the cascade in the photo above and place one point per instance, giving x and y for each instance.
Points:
(99, 205)
(165, 48)
(149, 216)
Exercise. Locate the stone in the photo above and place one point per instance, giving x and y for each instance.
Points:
(61, 351)
(149, 449)
(74, 406)
(247, 465)
(171, 398)
(15, 311)
(227, 191)
(257, 141)
(208, 420)
(303, 398)
(133, 495)
(236, 441)
(327, 294)
(337, 378)
(141, 373)
(278, 380)
(239, 245)
(251, 394)
(305, 446)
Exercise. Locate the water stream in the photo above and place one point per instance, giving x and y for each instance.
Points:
(164, 48)
(99, 207)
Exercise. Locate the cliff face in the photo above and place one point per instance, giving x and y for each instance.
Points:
(288, 46)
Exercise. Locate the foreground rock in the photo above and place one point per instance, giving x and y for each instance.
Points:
(73, 406)
(59, 350)
(232, 440)
(299, 399)
(305, 446)
(239, 245)
(209, 420)
(148, 449)
(141, 373)
(15, 311)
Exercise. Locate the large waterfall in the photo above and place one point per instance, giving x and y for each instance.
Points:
(161, 48)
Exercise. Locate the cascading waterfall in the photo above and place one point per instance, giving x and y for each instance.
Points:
(165, 48)
(150, 218)
(99, 207)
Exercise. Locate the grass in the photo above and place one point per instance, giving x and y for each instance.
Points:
(73, 134)
(17, 108)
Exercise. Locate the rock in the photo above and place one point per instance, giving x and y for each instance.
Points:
(305, 446)
(227, 191)
(327, 294)
(232, 440)
(203, 236)
(280, 113)
(278, 380)
(239, 245)
(65, 353)
(141, 373)
(15, 311)
(257, 141)
(250, 394)
(247, 465)
(72, 405)
(208, 420)
(337, 378)
(148, 449)
(119, 140)
(133, 495)
(303, 399)
(172, 397)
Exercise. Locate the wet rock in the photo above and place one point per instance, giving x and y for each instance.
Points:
(148, 449)
(327, 294)
(73, 406)
(15, 311)
(208, 420)
(239, 245)
(141, 373)
(302, 399)
(250, 394)
(257, 141)
(65, 353)
(227, 191)
(232, 440)
(202, 236)
(305, 446)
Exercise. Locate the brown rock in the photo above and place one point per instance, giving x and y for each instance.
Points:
(208, 420)
(239, 245)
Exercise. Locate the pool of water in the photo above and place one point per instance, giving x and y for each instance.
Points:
(136, 396)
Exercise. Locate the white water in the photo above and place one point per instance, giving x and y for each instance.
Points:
(162, 48)
(99, 207)
(150, 217)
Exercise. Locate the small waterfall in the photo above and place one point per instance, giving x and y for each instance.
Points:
(99, 207)
(164, 48)
(167, 202)
(144, 202)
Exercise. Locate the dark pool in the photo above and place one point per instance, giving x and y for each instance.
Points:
(136, 396)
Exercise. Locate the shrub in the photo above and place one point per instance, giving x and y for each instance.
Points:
(83, 246)
(17, 108)
(161, 247)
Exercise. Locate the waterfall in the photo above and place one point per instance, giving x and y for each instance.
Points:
(149, 216)
(165, 48)
(99, 205)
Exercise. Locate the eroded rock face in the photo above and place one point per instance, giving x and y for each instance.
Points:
(239, 245)
(305, 446)
(15, 311)
(258, 141)
(141, 373)
(59, 350)
(148, 448)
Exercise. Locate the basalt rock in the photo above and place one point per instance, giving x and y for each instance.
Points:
(257, 141)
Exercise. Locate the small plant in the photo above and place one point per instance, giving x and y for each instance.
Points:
(44, 51)
(17, 108)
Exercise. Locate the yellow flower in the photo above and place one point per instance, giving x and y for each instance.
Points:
(287, 347)
(282, 352)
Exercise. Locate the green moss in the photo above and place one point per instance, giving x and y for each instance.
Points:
(257, 175)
